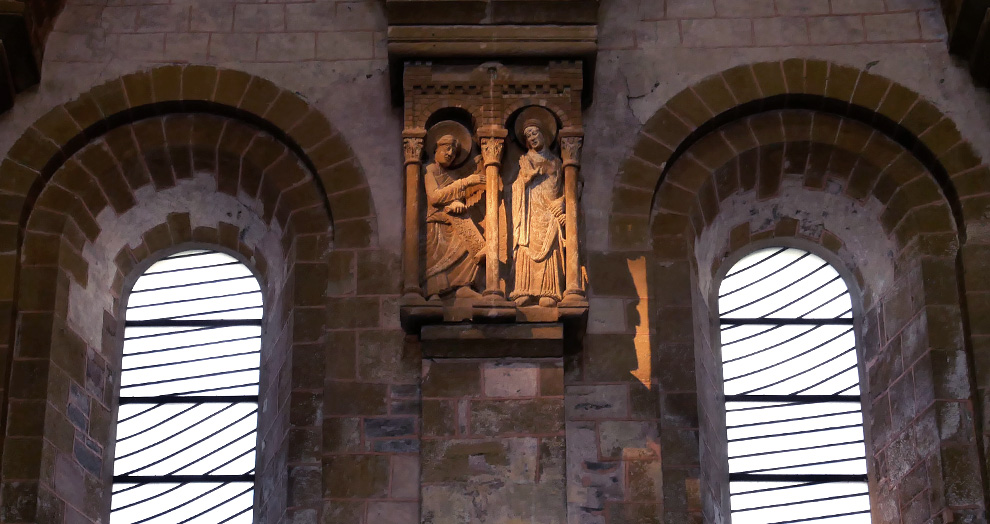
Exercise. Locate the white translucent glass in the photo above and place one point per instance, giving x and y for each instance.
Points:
(789, 437)
(212, 438)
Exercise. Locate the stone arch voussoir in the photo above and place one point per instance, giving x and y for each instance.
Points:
(799, 83)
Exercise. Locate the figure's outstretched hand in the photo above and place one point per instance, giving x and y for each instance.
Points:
(456, 207)
(557, 208)
(477, 179)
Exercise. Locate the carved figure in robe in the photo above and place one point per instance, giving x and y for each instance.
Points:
(454, 245)
(538, 214)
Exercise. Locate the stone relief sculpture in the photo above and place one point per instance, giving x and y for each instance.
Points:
(454, 245)
(538, 218)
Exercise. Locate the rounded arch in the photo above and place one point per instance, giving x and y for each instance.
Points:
(171, 155)
(895, 111)
(59, 134)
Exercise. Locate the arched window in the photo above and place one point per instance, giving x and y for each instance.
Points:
(187, 421)
(791, 380)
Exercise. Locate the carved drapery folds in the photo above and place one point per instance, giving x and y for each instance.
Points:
(492, 215)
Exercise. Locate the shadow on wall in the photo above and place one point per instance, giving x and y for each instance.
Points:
(613, 407)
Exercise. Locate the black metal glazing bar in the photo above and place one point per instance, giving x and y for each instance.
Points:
(190, 284)
(802, 297)
(177, 399)
(772, 293)
(777, 477)
(776, 488)
(181, 479)
(804, 465)
(191, 377)
(806, 501)
(769, 275)
(186, 254)
(173, 508)
(208, 455)
(231, 461)
(189, 446)
(177, 270)
(138, 414)
(207, 323)
(780, 420)
(804, 432)
(215, 506)
(187, 346)
(190, 361)
(834, 321)
(786, 360)
(222, 388)
(146, 499)
(751, 266)
(159, 424)
(823, 517)
(166, 333)
(185, 300)
(820, 382)
(183, 318)
(796, 399)
(804, 371)
(805, 448)
(768, 348)
(173, 435)
(235, 515)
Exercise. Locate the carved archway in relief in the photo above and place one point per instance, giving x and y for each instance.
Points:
(897, 111)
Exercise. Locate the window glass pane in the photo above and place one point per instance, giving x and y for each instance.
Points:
(188, 416)
(794, 421)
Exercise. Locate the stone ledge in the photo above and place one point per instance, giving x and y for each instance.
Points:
(431, 41)
(539, 339)
(405, 12)
(504, 43)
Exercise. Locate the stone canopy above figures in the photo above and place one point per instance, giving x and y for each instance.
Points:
(492, 157)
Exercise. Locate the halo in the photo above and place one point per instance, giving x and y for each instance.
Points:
(548, 124)
(455, 129)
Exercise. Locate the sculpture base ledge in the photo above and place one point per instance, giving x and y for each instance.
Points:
(531, 340)
(417, 314)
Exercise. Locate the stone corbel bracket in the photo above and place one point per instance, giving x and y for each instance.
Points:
(18, 63)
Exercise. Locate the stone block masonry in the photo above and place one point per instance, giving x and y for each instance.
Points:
(493, 441)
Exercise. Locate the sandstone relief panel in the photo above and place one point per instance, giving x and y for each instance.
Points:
(492, 166)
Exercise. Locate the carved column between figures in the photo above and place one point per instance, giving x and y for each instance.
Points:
(491, 151)
(570, 148)
(412, 146)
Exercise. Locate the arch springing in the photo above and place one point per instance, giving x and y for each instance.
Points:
(188, 417)
(794, 421)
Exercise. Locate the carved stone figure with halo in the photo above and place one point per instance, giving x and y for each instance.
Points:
(454, 245)
(537, 213)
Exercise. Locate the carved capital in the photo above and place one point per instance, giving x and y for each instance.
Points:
(491, 151)
(413, 150)
(570, 149)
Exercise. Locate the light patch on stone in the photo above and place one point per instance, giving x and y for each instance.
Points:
(206, 207)
(511, 380)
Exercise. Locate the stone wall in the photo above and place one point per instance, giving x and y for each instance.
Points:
(717, 125)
